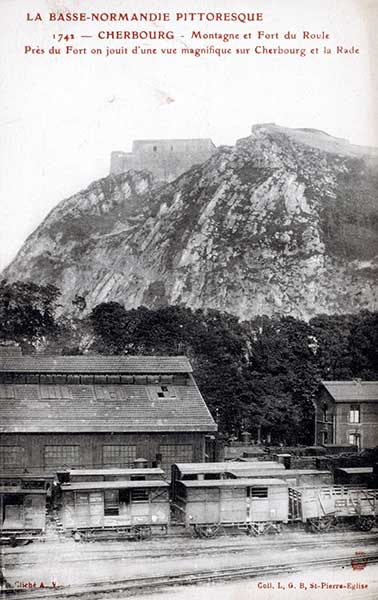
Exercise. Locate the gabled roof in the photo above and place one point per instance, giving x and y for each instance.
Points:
(42, 408)
(352, 391)
(95, 364)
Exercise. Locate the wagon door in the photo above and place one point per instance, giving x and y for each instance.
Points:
(140, 506)
(257, 503)
(211, 505)
(232, 505)
(96, 509)
(82, 509)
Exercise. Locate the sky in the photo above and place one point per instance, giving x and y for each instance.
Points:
(62, 115)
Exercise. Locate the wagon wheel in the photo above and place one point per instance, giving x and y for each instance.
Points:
(208, 531)
(277, 528)
(313, 525)
(326, 523)
(255, 529)
(142, 533)
(78, 536)
(366, 523)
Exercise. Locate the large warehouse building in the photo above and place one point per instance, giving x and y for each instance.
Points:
(99, 411)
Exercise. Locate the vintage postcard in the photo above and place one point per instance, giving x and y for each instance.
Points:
(188, 299)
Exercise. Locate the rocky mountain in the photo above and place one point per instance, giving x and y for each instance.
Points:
(286, 221)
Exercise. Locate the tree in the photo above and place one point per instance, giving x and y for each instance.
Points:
(27, 310)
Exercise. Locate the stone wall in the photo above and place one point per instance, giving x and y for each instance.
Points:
(166, 159)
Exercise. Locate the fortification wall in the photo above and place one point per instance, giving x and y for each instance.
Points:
(166, 159)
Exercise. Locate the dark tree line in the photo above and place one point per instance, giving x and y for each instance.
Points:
(264, 372)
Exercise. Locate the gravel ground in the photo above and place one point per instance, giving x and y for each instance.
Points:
(67, 563)
(356, 586)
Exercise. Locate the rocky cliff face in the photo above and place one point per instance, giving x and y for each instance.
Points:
(286, 221)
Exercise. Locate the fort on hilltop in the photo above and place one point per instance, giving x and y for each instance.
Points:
(166, 159)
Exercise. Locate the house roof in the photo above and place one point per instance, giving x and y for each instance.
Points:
(95, 364)
(76, 408)
(350, 391)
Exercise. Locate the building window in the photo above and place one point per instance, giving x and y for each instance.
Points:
(175, 453)
(154, 148)
(59, 456)
(354, 413)
(325, 413)
(118, 455)
(354, 439)
(11, 457)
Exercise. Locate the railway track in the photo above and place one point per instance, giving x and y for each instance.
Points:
(131, 587)
(102, 555)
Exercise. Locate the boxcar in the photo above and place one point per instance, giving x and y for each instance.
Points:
(354, 476)
(255, 505)
(22, 506)
(322, 508)
(294, 477)
(133, 508)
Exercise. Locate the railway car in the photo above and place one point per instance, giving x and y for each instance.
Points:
(355, 476)
(254, 505)
(131, 508)
(22, 506)
(215, 470)
(294, 477)
(321, 508)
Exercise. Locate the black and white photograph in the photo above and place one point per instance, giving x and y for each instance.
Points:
(189, 299)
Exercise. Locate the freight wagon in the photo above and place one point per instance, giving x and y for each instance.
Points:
(254, 505)
(23, 505)
(323, 508)
(355, 476)
(133, 508)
